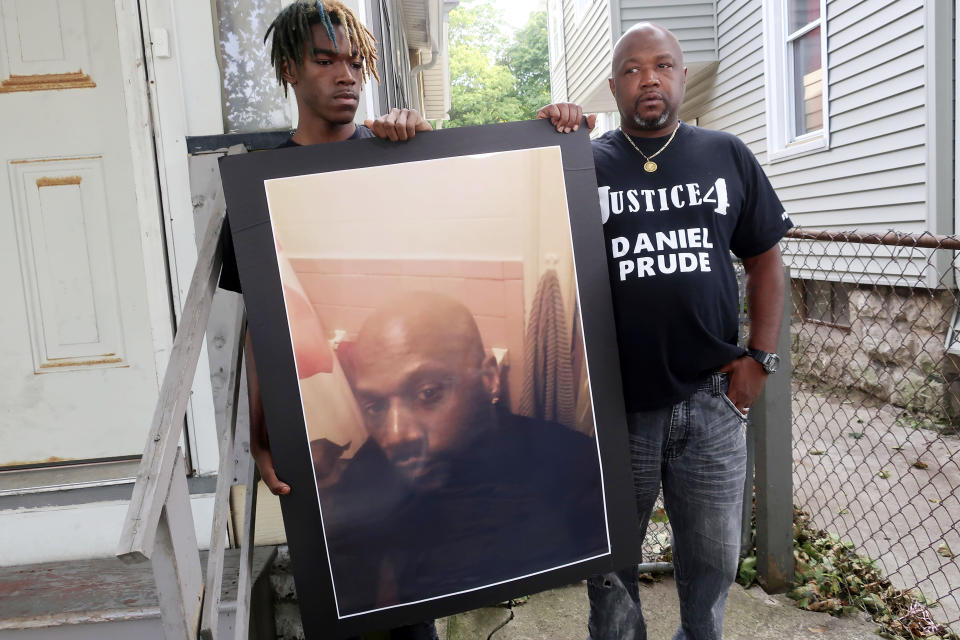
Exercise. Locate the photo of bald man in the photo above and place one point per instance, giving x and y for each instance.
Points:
(441, 364)
(451, 492)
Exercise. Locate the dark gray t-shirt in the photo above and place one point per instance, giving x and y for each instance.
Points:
(229, 276)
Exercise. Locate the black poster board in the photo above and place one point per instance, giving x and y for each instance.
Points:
(452, 424)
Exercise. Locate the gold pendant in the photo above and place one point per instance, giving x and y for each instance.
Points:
(650, 166)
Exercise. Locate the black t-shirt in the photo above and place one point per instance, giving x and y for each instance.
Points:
(669, 235)
(229, 276)
(523, 497)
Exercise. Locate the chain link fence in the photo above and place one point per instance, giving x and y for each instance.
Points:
(876, 402)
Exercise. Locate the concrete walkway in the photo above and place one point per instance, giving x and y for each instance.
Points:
(867, 490)
(561, 614)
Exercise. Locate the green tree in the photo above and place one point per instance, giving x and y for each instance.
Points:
(528, 59)
(478, 26)
(494, 77)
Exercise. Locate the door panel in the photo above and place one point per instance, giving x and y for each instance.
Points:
(78, 379)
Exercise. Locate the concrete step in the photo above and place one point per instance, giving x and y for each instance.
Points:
(103, 599)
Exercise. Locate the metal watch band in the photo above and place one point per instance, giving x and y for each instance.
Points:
(769, 361)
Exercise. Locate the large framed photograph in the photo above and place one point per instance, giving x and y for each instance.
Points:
(433, 335)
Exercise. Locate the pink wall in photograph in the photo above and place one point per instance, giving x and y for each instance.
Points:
(345, 290)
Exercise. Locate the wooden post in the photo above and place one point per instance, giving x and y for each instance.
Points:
(156, 466)
(159, 521)
(772, 418)
(176, 563)
(226, 432)
(245, 584)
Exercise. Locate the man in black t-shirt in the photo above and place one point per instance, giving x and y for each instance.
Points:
(451, 491)
(675, 201)
(322, 51)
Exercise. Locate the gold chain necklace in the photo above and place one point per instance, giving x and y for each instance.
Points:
(650, 166)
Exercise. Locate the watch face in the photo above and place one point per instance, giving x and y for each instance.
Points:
(771, 362)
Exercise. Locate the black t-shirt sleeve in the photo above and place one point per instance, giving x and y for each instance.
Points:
(229, 276)
(762, 221)
(362, 132)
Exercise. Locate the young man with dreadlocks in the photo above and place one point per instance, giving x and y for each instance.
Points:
(321, 50)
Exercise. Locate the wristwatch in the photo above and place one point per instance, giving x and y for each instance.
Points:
(769, 361)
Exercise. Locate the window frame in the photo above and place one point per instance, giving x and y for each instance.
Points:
(778, 72)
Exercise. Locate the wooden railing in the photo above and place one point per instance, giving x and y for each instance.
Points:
(159, 525)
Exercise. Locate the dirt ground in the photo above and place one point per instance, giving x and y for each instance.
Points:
(881, 479)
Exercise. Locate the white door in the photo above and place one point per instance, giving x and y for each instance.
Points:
(78, 378)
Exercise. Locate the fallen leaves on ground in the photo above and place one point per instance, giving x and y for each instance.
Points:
(831, 577)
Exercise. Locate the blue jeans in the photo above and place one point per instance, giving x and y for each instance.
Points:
(697, 450)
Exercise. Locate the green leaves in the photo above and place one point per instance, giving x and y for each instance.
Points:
(528, 59)
(748, 571)
(495, 76)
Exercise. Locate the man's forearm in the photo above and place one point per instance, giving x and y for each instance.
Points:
(259, 443)
(764, 293)
(258, 426)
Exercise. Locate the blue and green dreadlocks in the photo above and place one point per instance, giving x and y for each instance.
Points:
(292, 34)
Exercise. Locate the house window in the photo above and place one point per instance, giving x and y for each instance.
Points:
(795, 56)
(826, 303)
(252, 100)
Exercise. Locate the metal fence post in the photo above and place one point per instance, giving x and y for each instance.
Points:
(772, 421)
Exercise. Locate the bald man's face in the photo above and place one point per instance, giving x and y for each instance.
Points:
(648, 81)
(423, 393)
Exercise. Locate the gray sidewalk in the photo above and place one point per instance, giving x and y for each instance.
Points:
(561, 614)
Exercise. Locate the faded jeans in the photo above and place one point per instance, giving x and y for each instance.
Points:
(697, 450)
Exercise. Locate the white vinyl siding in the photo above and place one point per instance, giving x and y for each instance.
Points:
(694, 24)
(873, 177)
(558, 56)
(884, 184)
(732, 98)
(587, 44)
(592, 27)
(436, 88)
